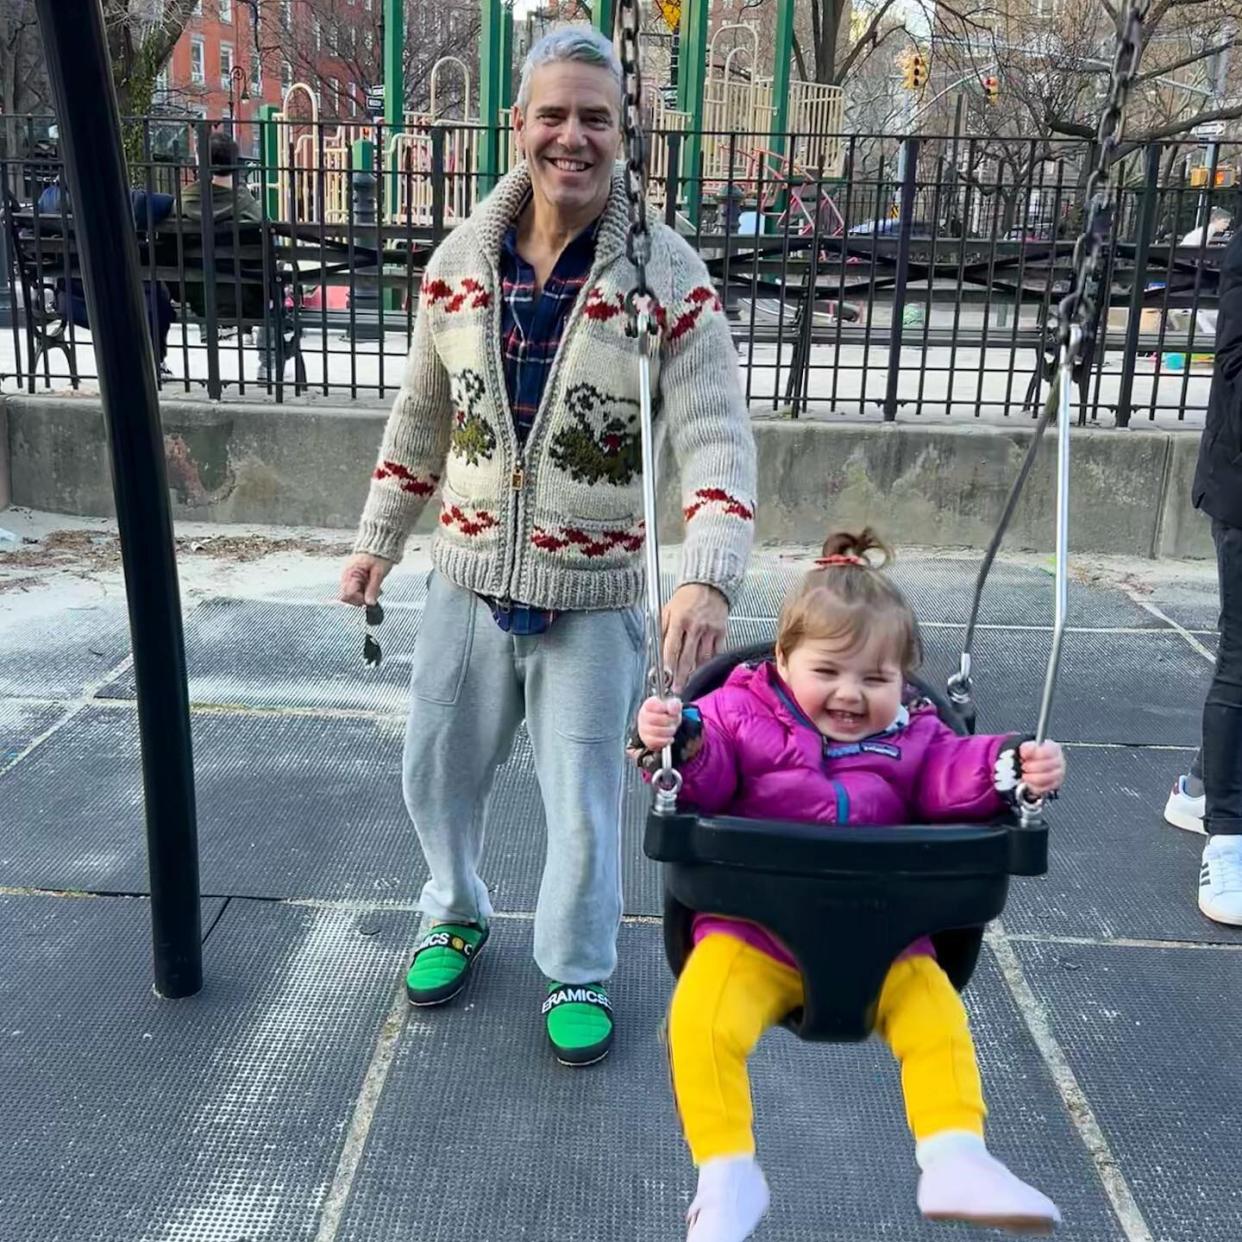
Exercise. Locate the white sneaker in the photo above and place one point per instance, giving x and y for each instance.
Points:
(1220, 880)
(1183, 811)
(963, 1181)
(730, 1202)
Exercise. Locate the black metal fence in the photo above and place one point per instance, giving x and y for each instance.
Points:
(896, 278)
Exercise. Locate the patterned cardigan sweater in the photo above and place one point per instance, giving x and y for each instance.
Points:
(559, 524)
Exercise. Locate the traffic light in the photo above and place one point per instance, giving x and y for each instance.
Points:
(991, 89)
(913, 71)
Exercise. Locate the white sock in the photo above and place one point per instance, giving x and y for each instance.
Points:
(948, 1143)
(963, 1181)
(731, 1200)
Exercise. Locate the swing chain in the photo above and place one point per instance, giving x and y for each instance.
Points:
(638, 238)
(1081, 306)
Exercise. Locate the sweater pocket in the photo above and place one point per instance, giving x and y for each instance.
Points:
(578, 542)
(473, 521)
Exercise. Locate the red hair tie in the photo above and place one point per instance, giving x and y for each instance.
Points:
(842, 559)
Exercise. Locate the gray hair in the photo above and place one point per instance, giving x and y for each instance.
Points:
(581, 45)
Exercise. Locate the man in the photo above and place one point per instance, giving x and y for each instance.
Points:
(230, 201)
(230, 198)
(1209, 798)
(520, 401)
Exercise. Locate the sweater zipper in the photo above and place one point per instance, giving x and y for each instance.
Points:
(517, 477)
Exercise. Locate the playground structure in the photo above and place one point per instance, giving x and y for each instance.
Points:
(737, 113)
(311, 174)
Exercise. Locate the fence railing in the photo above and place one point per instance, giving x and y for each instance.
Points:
(897, 278)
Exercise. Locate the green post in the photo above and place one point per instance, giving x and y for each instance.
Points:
(269, 146)
(504, 87)
(394, 65)
(492, 72)
(364, 155)
(604, 16)
(780, 73)
(780, 81)
(691, 81)
(394, 86)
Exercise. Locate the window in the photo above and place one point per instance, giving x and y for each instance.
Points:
(226, 12)
(256, 77)
(334, 97)
(196, 60)
(197, 10)
(286, 75)
(286, 14)
(161, 82)
(318, 35)
(226, 64)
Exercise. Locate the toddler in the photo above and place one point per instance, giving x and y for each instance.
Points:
(820, 734)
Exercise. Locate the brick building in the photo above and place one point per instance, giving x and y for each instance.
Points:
(221, 56)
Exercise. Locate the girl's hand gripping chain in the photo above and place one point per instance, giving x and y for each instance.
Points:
(658, 720)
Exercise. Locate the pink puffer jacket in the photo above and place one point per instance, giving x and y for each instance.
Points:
(762, 758)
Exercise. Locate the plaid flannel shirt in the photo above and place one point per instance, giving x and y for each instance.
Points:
(531, 326)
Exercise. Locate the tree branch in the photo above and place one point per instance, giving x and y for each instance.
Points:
(1192, 59)
(868, 37)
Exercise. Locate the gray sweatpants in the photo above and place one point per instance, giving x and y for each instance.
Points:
(577, 687)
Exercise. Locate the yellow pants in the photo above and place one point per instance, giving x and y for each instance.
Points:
(730, 993)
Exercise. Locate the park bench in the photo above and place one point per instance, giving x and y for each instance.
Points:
(239, 276)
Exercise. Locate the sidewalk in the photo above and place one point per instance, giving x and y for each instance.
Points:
(299, 1098)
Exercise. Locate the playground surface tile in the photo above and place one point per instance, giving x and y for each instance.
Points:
(297, 1097)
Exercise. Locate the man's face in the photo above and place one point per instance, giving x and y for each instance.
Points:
(570, 132)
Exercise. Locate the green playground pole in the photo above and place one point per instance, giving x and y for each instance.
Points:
(493, 73)
(604, 16)
(394, 87)
(780, 81)
(691, 81)
(780, 73)
(269, 147)
(504, 85)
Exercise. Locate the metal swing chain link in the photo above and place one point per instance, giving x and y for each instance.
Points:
(1077, 311)
(1078, 315)
(1080, 308)
(643, 324)
(638, 237)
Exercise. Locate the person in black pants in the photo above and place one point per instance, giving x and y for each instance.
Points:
(1209, 797)
(148, 210)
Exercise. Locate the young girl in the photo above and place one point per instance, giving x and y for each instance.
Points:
(845, 644)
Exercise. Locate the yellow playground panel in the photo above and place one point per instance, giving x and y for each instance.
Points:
(313, 175)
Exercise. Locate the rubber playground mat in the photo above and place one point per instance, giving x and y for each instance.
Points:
(224, 1118)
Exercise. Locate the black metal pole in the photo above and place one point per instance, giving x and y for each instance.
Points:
(905, 227)
(1142, 248)
(90, 133)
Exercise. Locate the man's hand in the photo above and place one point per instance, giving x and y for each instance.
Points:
(1043, 767)
(694, 629)
(361, 578)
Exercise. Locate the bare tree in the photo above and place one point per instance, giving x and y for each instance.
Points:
(336, 39)
(141, 37)
(1052, 63)
(24, 87)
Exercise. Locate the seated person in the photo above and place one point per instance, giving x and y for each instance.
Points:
(147, 210)
(230, 202)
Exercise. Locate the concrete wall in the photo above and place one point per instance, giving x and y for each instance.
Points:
(5, 472)
(919, 484)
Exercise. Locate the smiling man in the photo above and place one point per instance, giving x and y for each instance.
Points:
(520, 403)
